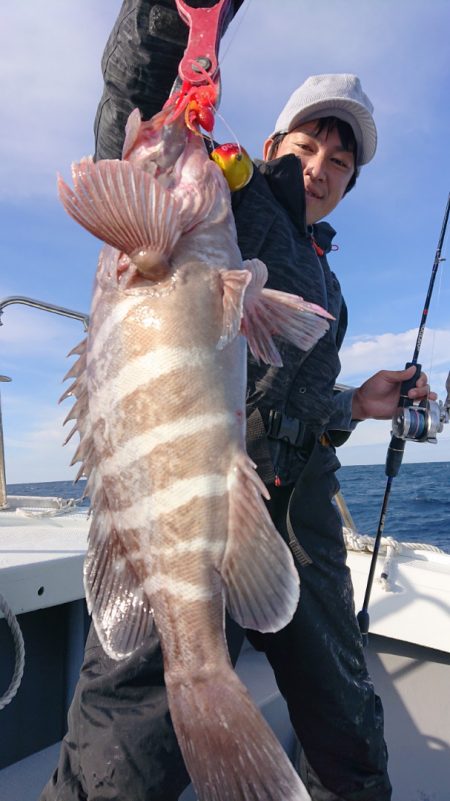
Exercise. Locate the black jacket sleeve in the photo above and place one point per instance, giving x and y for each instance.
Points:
(139, 65)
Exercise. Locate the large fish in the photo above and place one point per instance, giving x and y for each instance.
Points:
(179, 525)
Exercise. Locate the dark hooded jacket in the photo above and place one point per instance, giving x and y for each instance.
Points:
(295, 254)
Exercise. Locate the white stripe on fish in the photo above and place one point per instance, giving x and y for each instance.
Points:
(146, 511)
(186, 590)
(144, 369)
(115, 317)
(190, 546)
(142, 445)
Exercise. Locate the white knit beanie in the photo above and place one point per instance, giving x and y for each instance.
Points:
(335, 95)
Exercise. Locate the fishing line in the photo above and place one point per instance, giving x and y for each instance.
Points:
(235, 31)
(416, 422)
(438, 305)
(434, 331)
(229, 128)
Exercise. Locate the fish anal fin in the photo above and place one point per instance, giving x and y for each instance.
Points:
(119, 606)
(260, 579)
(269, 312)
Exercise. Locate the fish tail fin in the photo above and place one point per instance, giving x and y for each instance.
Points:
(122, 205)
(268, 312)
(229, 749)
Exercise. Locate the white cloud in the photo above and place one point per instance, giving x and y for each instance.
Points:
(51, 56)
(34, 450)
(365, 355)
(24, 332)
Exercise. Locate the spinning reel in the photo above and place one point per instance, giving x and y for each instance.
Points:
(424, 421)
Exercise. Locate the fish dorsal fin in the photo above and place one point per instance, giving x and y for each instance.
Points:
(80, 411)
(258, 571)
(119, 606)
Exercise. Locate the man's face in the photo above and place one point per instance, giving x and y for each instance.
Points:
(327, 167)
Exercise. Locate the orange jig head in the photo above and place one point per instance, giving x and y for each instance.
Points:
(196, 102)
(200, 109)
(235, 164)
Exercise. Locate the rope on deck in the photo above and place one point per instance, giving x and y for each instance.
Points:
(19, 649)
(392, 548)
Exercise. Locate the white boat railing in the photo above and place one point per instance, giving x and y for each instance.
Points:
(44, 306)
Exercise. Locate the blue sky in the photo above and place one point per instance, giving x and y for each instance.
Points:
(388, 226)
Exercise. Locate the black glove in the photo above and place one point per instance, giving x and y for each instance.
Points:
(140, 64)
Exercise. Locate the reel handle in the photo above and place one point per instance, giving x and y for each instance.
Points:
(396, 447)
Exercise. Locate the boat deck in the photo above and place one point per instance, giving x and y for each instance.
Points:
(408, 654)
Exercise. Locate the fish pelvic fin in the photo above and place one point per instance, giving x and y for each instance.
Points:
(115, 598)
(229, 750)
(123, 206)
(261, 582)
(269, 312)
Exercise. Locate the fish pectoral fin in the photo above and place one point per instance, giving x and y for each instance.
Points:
(119, 606)
(234, 283)
(260, 579)
(123, 206)
(269, 313)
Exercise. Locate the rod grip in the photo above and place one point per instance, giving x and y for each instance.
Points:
(363, 623)
(409, 384)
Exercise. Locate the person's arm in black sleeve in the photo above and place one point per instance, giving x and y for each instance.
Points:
(139, 65)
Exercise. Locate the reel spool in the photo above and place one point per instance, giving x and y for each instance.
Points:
(422, 422)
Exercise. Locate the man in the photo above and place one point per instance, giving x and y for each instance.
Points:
(120, 742)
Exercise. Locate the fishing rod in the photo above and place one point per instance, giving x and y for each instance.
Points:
(418, 422)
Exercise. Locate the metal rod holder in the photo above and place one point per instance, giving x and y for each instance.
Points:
(3, 498)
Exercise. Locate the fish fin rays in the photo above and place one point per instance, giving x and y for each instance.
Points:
(269, 312)
(234, 283)
(261, 582)
(122, 205)
(116, 600)
(229, 749)
(85, 452)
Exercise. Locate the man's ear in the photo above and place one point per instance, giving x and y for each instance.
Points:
(266, 148)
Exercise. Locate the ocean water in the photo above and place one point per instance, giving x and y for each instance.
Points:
(418, 511)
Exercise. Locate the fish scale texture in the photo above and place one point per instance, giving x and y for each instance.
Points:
(230, 751)
(178, 515)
